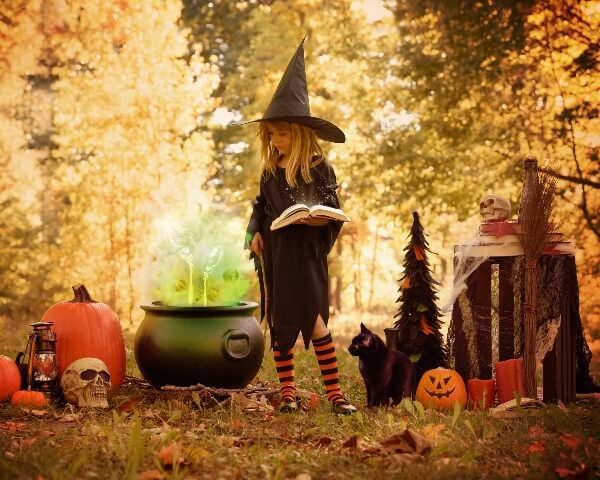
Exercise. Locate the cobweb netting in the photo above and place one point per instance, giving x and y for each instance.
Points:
(473, 335)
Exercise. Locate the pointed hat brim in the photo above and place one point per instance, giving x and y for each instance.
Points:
(323, 129)
(290, 102)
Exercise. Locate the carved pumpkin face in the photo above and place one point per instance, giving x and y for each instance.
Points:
(441, 388)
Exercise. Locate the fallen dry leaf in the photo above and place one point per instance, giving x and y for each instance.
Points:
(537, 447)
(407, 458)
(407, 441)
(303, 476)
(170, 454)
(535, 431)
(8, 454)
(197, 453)
(12, 427)
(570, 441)
(29, 442)
(177, 405)
(563, 472)
(232, 441)
(314, 401)
(151, 475)
(148, 413)
(128, 405)
(237, 423)
(251, 403)
(433, 430)
(228, 441)
(69, 417)
(354, 443)
(268, 417)
(96, 430)
(37, 413)
(323, 442)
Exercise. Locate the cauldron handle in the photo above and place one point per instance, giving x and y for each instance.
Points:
(237, 344)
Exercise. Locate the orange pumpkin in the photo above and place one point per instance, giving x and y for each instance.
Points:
(441, 388)
(10, 378)
(28, 399)
(86, 328)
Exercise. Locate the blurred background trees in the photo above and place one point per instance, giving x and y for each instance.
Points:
(115, 113)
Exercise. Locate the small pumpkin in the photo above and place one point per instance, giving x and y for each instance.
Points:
(88, 329)
(29, 399)
(10, 378)
(441, 388)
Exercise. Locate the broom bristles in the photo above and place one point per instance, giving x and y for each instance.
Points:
(536, 227)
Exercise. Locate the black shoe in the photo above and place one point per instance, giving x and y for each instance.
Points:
(343, 407)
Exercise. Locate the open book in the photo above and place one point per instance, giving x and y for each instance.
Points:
(299, 210)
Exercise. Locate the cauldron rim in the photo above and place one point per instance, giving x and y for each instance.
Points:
(236, 307)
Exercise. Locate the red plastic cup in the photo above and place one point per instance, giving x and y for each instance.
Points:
(509, 379)
(482, 393)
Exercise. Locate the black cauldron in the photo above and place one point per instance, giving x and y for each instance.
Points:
(217, 346)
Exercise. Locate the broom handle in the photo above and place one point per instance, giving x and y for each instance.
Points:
(266, 290)
(530, 323)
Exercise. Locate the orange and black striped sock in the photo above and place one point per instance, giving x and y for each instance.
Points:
(284, 364)
(327, 358)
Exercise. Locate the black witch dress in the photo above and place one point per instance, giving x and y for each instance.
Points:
(295, 256)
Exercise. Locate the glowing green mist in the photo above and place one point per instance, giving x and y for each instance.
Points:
(199, 260)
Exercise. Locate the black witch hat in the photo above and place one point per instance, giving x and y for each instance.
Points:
(290, 102)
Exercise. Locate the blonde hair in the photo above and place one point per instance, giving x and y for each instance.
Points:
(304, 147)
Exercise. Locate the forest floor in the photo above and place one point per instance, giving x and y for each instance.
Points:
(152, 434)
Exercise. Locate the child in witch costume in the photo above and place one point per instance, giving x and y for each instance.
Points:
(292, 261)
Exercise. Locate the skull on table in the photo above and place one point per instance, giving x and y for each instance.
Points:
(86, 382)
(494, 208)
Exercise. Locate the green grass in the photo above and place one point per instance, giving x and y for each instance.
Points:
(225, 442)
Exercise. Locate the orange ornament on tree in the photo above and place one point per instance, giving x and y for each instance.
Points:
(10, 377)
(88, 329)
(441, 388)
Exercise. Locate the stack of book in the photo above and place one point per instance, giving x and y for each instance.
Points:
(500, 239)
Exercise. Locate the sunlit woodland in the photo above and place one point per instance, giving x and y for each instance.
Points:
(115, 114)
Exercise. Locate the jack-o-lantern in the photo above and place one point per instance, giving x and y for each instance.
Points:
(441, 388)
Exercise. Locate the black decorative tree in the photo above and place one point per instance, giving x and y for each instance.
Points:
(417, 318)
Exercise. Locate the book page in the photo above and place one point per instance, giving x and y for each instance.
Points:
(329, 212)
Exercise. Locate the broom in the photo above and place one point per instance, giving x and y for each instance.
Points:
(536, 215)
(266, 318)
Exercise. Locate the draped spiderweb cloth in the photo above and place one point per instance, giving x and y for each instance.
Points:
(487, 308)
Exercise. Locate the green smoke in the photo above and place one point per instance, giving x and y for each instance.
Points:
(198, 260)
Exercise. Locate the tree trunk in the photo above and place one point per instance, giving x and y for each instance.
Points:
(357, 279)
(128, 241)
(373, 267)
(335, 278)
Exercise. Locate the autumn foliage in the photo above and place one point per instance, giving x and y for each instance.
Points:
(115, 113)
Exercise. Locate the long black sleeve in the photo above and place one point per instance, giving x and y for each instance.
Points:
(257, 218)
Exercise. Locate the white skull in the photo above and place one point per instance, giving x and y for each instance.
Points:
(86, 382)
(494, 208)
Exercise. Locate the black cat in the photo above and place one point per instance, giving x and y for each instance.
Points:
(389, 375)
